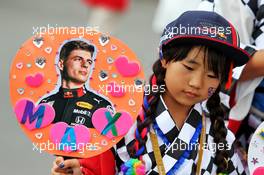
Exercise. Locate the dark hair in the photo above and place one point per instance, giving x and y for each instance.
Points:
(75, 45)
(217, 63)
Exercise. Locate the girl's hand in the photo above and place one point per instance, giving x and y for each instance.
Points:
(67, 167)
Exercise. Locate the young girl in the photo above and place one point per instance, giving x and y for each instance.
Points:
(181, 130)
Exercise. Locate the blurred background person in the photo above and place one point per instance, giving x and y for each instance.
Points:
(106, 14)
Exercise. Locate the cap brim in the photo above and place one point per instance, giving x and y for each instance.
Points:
(239, 56)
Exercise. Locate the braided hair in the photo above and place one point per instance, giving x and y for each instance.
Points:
(146, 117)
(217, 63)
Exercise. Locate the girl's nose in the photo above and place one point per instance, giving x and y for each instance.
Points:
(196, 81)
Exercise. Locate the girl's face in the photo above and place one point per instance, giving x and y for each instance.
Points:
(189, 81)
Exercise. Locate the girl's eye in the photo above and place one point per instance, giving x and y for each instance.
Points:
(188, 67)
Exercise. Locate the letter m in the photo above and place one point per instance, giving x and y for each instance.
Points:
(28, 113)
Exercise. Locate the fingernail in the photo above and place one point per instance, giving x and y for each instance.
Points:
(61, 165)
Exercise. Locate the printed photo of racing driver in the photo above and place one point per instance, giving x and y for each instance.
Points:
(73, 102)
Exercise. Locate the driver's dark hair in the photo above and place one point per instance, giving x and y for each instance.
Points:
(68, 47)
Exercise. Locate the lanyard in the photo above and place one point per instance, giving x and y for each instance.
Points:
(202, 137)
(157, 154)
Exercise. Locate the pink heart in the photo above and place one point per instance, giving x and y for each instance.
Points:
(34, 80)
(126, 68)
(48, 50)
(122, 124)
(19, 65)
(113, 47)
(81, 132)
(34, 117)
(259, 171)
(115, 90)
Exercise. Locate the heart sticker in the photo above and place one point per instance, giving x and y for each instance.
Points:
(40, 62)
(48, 50)
(34, 117)
(20, 91)
(139, 83)
(126, 68)
(39, 135)
(71, 138)
(28, 53)
(111, 125)
(131, 102)
(19, 65)
(103, 75)
(113, 47)
(109, 60)
(38, 42)
(34, 80)
(104, 39)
